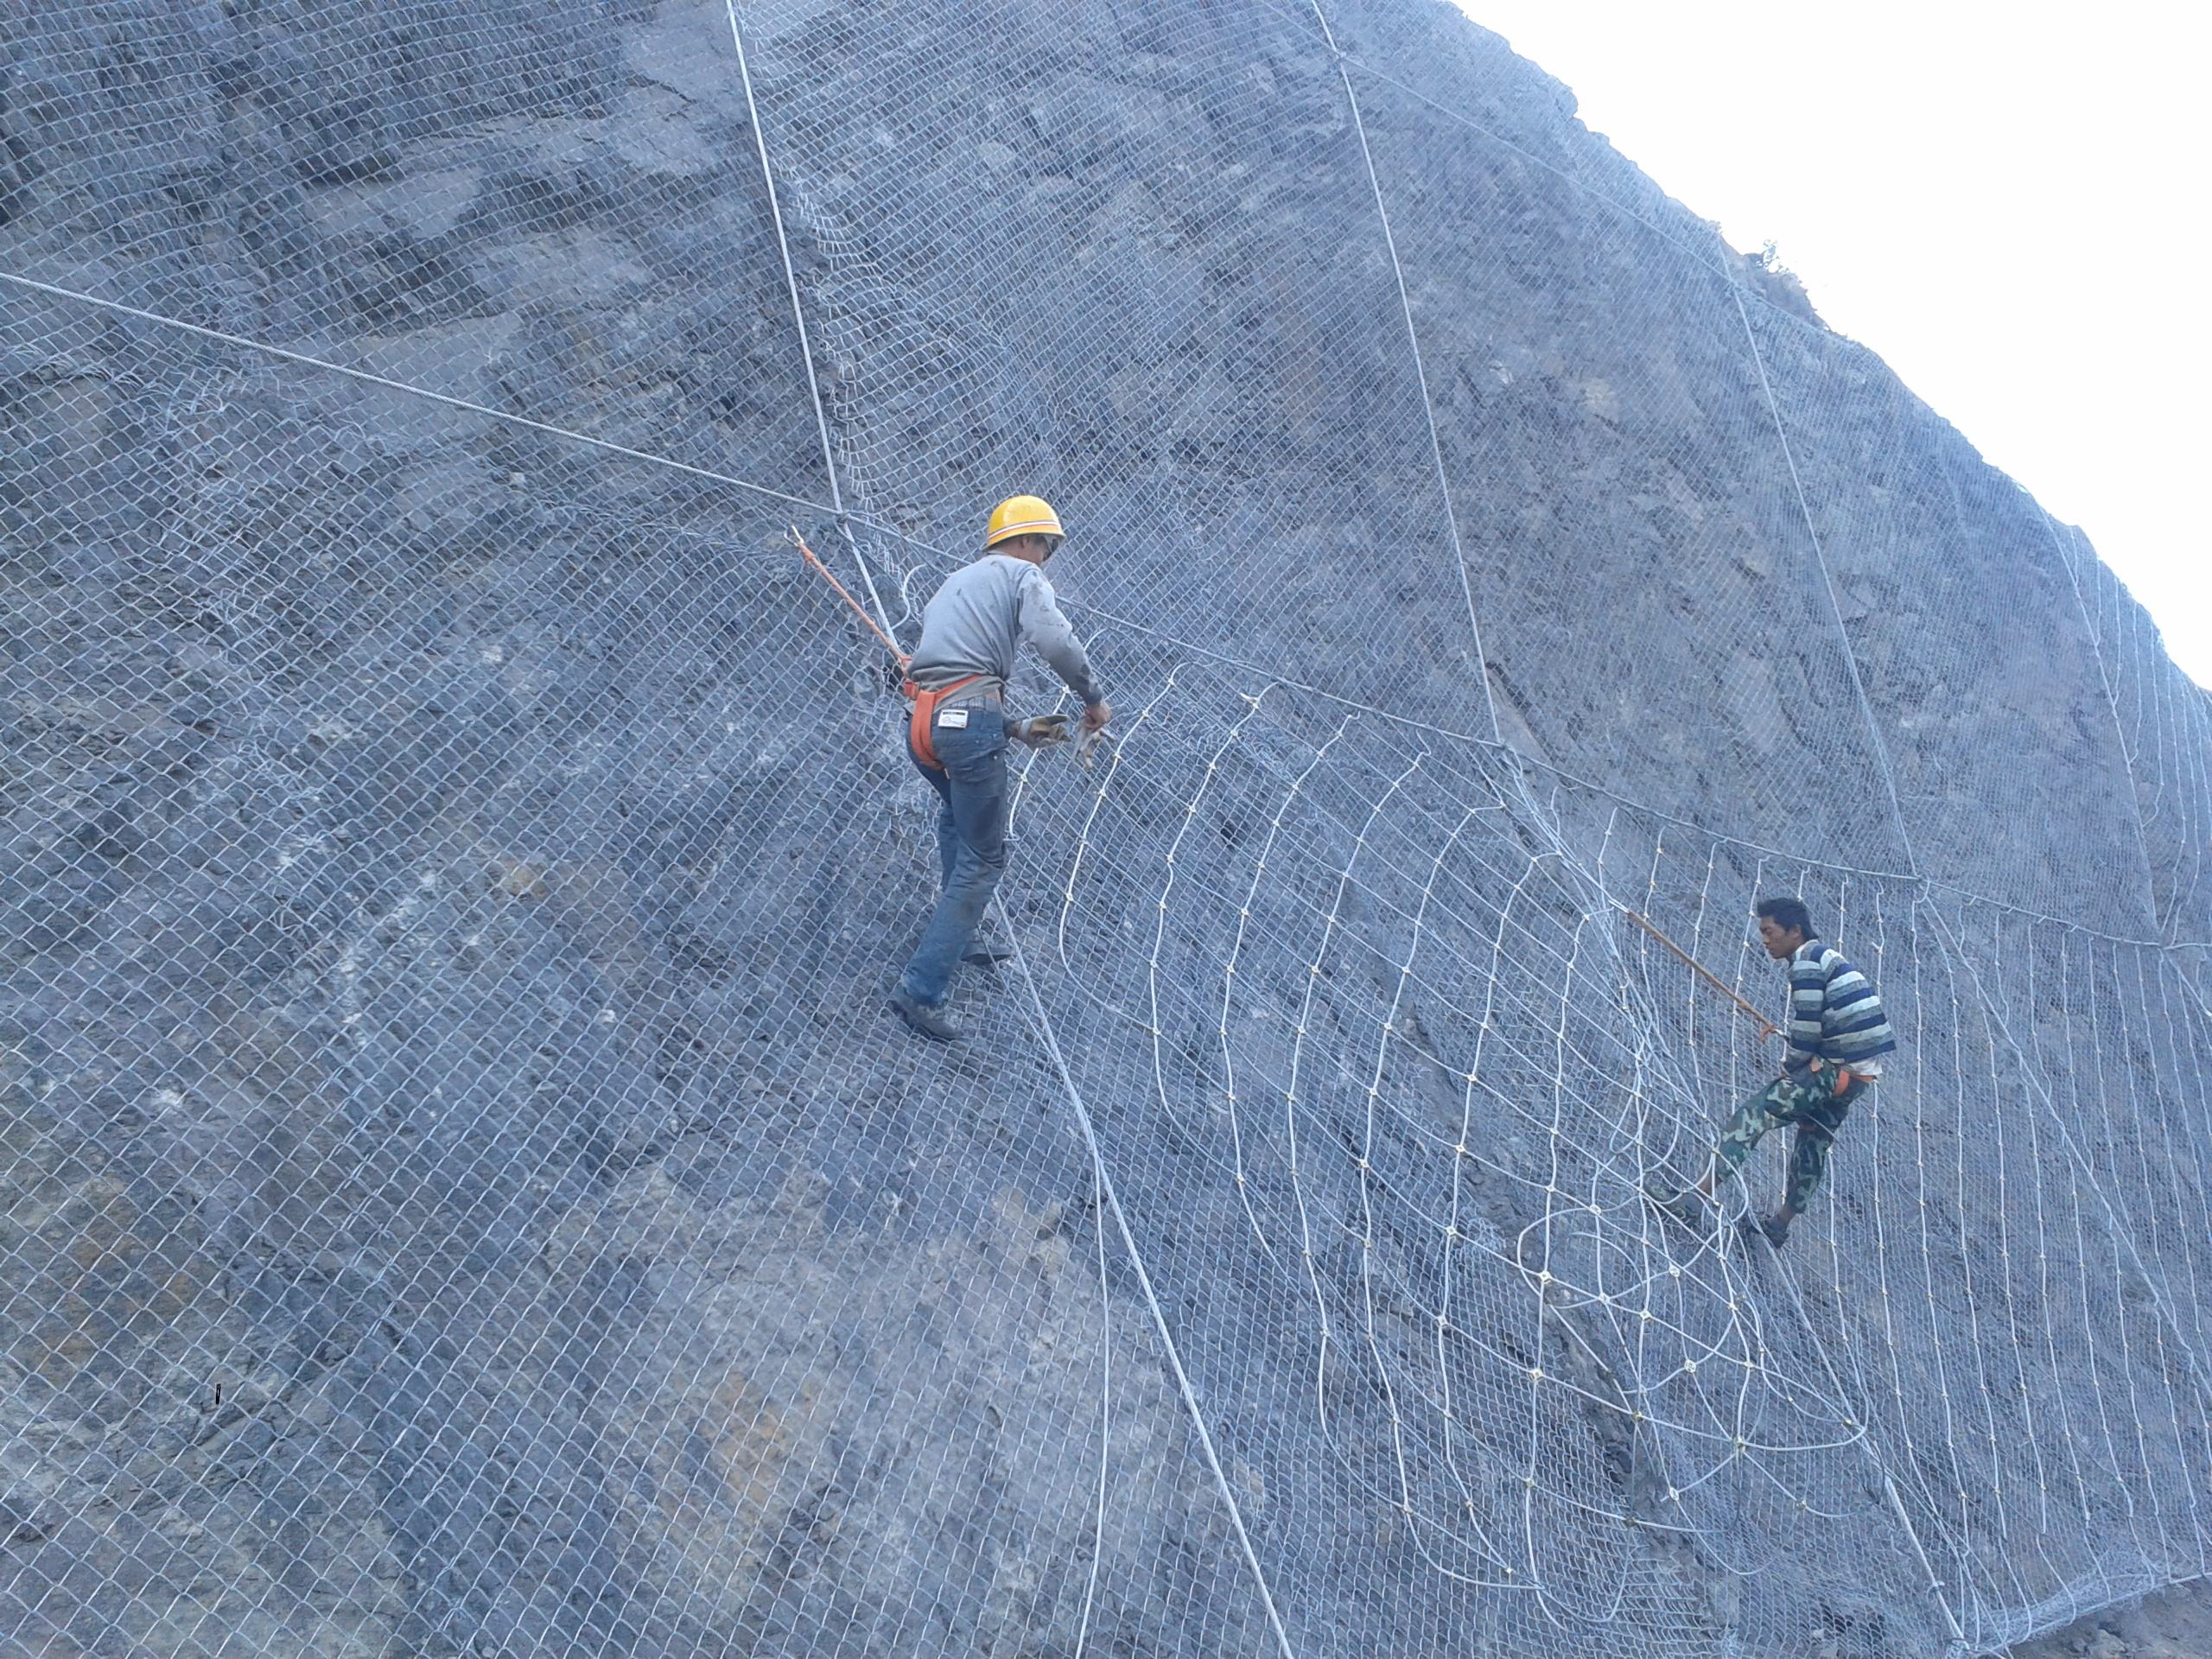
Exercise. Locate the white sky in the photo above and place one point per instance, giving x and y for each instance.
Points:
(2008, 202)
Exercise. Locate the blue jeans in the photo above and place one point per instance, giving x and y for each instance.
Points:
(971, 843)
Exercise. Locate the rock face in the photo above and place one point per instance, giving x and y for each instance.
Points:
(461, 1194)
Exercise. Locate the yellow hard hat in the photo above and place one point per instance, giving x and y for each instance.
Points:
(1023, 515)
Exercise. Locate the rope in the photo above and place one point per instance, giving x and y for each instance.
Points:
(1420, 376)
(1827, 583)
(2123, 1237)
(798, 316)
(308, 361)
(1046, 1035)
(410, 389)
(2112, 707)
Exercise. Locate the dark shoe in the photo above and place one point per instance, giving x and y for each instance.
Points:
(923, 1019)
(1773, 1229)
(1688, 1208)
(984, 956)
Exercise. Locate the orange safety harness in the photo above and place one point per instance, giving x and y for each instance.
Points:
(921, 727)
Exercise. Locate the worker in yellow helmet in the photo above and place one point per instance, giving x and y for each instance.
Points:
(959, 732)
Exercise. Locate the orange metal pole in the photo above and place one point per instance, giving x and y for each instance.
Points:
(800, 541)
(1767, 1027)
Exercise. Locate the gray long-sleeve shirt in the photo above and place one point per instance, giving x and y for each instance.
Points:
(982, 613)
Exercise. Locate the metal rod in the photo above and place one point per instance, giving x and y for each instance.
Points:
(1767, 1027)
(812, 558)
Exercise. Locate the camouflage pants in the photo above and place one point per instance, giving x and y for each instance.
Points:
(1811, 1104)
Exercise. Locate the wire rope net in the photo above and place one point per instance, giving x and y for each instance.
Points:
(462, 1194)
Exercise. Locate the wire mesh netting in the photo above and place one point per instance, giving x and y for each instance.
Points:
(462, 1191)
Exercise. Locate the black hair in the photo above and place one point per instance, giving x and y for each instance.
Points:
(1788, 914)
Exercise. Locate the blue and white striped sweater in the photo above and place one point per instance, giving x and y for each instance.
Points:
(1834, 1013)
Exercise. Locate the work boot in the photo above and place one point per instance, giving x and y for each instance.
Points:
(923, 1019)
(1773, 1229)
(987, 955)
(1693, 1210)
(1688, 1207)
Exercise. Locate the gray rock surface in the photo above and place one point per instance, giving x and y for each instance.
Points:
(2173, 1625)
(461, 1194)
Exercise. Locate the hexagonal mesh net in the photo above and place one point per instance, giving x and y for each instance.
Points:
(463, 1193)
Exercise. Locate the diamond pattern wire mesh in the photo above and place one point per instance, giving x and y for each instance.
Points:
(461, 1195)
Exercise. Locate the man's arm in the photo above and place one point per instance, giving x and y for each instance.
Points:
(1046, 627)
(1809, 996)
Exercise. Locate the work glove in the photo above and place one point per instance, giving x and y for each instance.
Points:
(1093, 741)
(1039, 731)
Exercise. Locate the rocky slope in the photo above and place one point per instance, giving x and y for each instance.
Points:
(460, 1196)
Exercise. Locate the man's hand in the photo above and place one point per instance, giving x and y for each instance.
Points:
(1094, 716)
(1040, 731)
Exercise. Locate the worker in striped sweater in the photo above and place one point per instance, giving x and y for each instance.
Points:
(1837, 1036)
